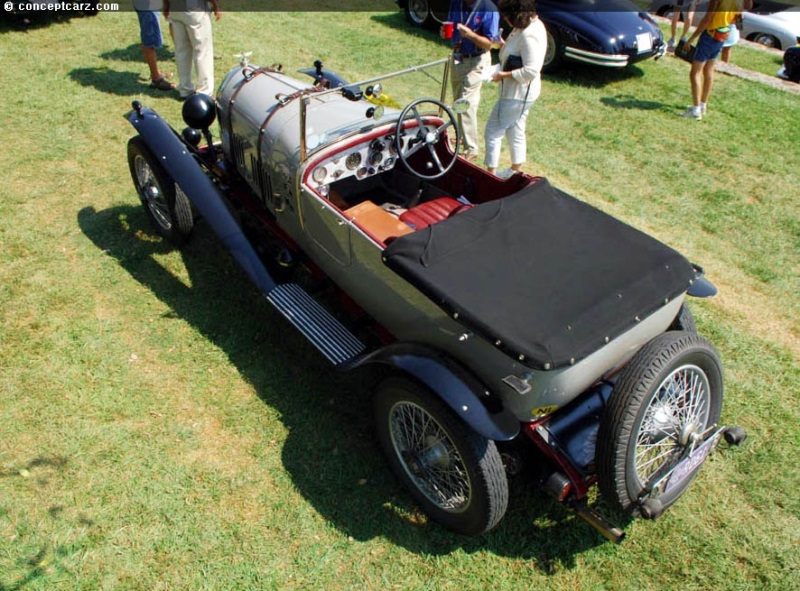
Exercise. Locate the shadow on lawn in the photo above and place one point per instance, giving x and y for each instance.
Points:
(42, 472)
(330, 453)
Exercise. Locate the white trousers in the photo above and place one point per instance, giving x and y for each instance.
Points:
(507, 119)
(194, 49)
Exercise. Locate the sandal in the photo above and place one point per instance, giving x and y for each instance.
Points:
(162, 84)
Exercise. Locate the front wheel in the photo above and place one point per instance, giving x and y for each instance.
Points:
(664, 399)
(455, 475)
(166, 204)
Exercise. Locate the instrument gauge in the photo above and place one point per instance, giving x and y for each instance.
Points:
(353, 160)
(375, 158)
(319, 174)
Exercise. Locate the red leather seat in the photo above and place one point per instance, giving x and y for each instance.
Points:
(431, 212)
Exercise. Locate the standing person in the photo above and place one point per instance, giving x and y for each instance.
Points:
(691, 6)
(476, 28)
(521, 57)
(713, 30)
(150, 34)
(194, 44)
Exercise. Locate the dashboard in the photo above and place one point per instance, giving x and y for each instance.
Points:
(362, 160)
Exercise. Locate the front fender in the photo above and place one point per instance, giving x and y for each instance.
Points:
(454, 384)
(182, 166)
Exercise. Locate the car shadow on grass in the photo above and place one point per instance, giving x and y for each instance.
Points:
(330, 452)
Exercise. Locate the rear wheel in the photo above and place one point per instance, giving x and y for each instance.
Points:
(419, 13)
(166, 204)
(670, 392)
(455, 475)
(554, 56)
(766, 40)
(684, 320)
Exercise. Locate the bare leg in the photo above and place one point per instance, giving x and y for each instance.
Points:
(152, 63)
(696, 81)
(687, 22)
(708, 80)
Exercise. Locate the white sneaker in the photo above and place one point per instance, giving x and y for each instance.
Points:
(506, 173)
(703, 108)
(671, 45)
(692, 113)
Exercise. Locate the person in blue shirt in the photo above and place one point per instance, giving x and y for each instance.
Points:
(476, 29)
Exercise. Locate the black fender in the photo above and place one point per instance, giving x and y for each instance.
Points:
(184, 168)
(699, 286)
(455, 385)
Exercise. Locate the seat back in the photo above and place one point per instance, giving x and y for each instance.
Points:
(431, 212)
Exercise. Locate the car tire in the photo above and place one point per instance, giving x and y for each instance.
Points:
(554, 57)
(454, 474)
(419, 14)
(670, 389)
(766, 40)
(166, 204)
(684, 320)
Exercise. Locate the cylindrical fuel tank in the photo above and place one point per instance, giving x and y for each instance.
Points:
(261, 133)
(247, 104)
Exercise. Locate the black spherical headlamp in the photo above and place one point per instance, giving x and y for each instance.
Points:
(199, 111)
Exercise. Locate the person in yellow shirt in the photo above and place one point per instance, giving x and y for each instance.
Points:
(711, 33)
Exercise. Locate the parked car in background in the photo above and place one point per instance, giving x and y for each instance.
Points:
(769, 24)
(615, 36)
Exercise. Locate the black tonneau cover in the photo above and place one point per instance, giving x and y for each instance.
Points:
(546, 275)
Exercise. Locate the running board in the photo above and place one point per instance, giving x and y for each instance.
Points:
(326, 333)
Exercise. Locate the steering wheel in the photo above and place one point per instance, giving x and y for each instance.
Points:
(426, 138)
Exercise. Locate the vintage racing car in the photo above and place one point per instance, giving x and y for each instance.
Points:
(522, 327)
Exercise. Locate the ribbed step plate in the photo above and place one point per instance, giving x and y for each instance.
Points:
(326, 333)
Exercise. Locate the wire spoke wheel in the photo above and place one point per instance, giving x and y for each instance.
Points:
(666, 398)
(429, 456)
(455, 474)
(153, 194)
(679, 408)
(166, 204)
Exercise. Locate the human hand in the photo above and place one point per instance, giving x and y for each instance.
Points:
(465, 31)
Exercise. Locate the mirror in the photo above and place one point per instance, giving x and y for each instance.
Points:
(375, 112)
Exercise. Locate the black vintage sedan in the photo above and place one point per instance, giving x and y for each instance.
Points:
(610, 33)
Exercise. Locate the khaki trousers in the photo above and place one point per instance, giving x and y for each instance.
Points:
(466, 83)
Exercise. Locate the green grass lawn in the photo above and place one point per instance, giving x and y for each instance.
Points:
(161, 428)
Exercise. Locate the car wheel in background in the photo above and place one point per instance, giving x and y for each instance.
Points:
(766, 40)
(419, 13)
(555, 51)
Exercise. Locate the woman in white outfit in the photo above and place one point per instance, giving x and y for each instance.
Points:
(521, 59)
